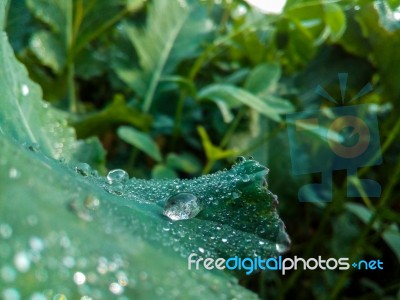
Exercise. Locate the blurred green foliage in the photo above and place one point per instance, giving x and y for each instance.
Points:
(180, 88)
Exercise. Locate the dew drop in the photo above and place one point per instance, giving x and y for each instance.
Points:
(22, 262)
(92, 202)
(79, 278)
(13, 173)
(38, 296)
(11, 294)
(240, 159)
(83, 169)
(116, 288)
(117, 176)
(59, 297)
(25, 90)
(5, 231)
(182, 206)
(8, 274)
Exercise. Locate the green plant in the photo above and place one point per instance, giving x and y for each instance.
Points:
(179, 88)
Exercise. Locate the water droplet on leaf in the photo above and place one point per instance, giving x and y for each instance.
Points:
(240, 159)
(117, 176)
(25, 90)
(83, 169)
(182, 206)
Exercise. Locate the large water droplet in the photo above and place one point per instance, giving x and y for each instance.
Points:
(117, 176)
(182, 206)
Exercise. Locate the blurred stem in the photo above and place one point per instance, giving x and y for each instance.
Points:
(178, 118)
(207, 53)
(228, 134)
(207, 168)
(132, 159)
(69, 34)
(262, 140)
(98, 31)
(310, 249)
(392, 136)
(232, 128)
(363, 236)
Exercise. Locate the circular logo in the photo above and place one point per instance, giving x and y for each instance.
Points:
(352, 128)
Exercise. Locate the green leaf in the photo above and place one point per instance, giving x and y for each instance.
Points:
(140, 140)
(49, 50)
(183, 162)
(116, 113)
(69, 225)
(213, 152)
(391, 235)
(167, 39)
(50, 47)
(24, 116)
(263, 79)
(234, 97)
(99, 16)
(335, 20)
(383, 35)
(161, 171)
(75, 228)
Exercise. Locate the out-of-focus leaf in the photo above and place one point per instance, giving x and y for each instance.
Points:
(49, 49)
(384, 39)
(167, 39)
(234, 97)
(263, 79)
(117, 113)
(183, 162)
(335, 20)
(99, 16)
(140, 140)
(91, 152)
(161, 171)
(72, 226)
(392, 238)
(24, 116)
(390, 235)
(19, 24)
(213, 152)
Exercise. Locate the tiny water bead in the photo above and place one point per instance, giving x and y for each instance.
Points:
(182, 206)
(83, 169)
(25, 90)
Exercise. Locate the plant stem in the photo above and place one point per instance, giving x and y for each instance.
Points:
(232, 128)
(207, 168)
(361, 240)
(69, 35)
(178, 118)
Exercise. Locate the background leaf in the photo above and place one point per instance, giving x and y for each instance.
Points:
(140, 140)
